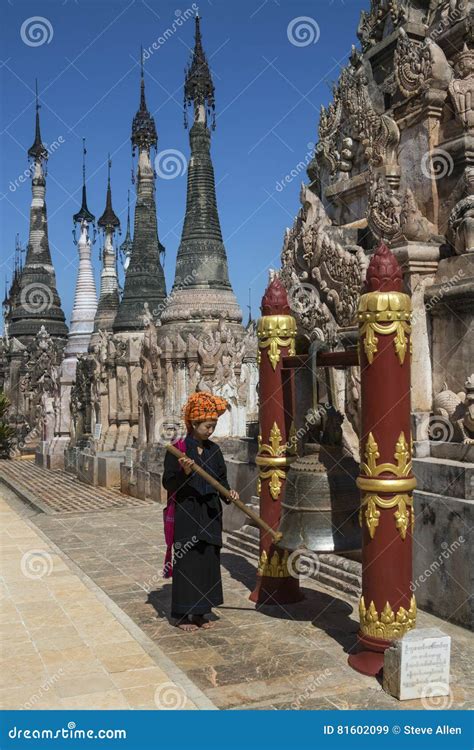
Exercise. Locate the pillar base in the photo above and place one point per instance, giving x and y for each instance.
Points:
(269, 590)
(369, 656)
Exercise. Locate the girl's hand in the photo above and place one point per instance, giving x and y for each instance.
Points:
(187, 464)
(234, 495)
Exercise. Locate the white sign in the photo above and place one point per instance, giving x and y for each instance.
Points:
(97, 431)
(417, 665)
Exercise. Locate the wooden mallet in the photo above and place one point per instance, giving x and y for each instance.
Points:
(276, 535)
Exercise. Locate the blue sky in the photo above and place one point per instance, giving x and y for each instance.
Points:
(268, 94)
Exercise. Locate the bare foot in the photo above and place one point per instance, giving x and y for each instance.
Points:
(203, 623)
(187, 626)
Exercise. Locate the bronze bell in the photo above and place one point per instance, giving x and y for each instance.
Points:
(321, 505)
(320, 509)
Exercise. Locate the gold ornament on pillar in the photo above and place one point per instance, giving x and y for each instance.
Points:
(274, 455)
(385, 313)
(273, 332)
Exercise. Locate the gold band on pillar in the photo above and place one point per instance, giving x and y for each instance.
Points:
(368, 484)
(273, 332)
(403, 515)
(372, 484)
(402, 455)
(276, 567)
(384, 313)
(387, 624)
(276, 456)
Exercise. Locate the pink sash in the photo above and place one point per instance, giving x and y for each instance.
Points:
(168, 521)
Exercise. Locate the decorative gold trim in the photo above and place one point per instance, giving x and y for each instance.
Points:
(273, 332)
(273, 455)
(385, 313)
(277, 567)
(385, 305)
(404, 504)
(275, 484)
(387, 625)
(269, 461)
(401, 329)
(275, 448)
(371, 514)
(402, 455)
(402, 514)
(367, 484)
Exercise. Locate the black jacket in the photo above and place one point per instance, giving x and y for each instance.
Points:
(198, 511)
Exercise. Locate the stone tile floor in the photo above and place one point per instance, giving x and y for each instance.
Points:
(61, 647)
(272, 658)
(59, 492)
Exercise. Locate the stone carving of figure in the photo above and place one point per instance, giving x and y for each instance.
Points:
(414, 226)
(48, 416)
(461, 219)
(462, 88)
(384, 208)
(150, 360)
(457, 414)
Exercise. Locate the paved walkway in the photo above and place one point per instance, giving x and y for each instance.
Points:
(58, 492)
(61, 645)
(105, 597)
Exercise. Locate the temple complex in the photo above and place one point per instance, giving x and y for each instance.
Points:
(349, 431)
(35, 327)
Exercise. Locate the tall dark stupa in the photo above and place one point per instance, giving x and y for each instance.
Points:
(144, 279)
(201, 286)
(37, 302)
(109, 298)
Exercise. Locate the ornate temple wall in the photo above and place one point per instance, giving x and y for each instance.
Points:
(393, 162)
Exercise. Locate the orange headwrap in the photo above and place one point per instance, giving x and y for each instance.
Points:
(202, 406)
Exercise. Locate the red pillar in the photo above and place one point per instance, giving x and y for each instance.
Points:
(276, 333)
(387, 607)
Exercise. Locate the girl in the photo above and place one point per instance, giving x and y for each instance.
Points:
(197, 583)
